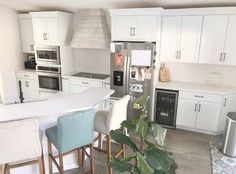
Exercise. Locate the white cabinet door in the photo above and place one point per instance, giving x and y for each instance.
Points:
(208, 116)
(190, 38)
(146, 28)
(65, 85)
(227, 106)
(52, 31)
(230, 43)
(122, 28)
(186, 114)
(170, 37)
(46, 31)
(213, 38)
(30, 89)
(26, 31)
(40, 30)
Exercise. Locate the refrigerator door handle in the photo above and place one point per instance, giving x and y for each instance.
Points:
(127, 75)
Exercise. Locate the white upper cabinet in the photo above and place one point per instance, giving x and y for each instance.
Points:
(46, 31)
(169, 37)
(190, 38)
(52, 28)
(26, 31)
(180, 38)
(134, 28)
(213, 39)
(229, 56)
(135, 24)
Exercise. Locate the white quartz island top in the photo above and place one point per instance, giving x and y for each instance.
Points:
(197, 87)
(59, 103)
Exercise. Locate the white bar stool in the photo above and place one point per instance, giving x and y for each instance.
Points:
(20, 144)
(105, 121)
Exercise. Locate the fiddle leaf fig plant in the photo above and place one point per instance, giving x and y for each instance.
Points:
(147, 158)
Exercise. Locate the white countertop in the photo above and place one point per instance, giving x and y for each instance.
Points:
(59, 103)
(197, 87)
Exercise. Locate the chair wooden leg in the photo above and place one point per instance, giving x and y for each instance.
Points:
(6, 169)
(83, 156)
(49, 158)
(91, 159)
(41, 165)
(123, 145)
(99, 140)
(79, 157)
(61, 164)
(108, 137)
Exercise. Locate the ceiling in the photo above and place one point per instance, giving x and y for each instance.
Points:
(74, 5)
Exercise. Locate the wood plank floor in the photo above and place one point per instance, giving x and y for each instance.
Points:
(190, 150)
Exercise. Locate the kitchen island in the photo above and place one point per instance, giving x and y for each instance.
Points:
(47, 111)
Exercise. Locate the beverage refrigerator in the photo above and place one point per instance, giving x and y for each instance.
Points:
(131, 72)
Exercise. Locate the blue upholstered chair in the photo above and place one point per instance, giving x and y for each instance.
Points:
(72, 132)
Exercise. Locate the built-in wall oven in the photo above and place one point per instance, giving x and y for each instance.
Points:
(49, 78)
(166, 107)
(47, 54)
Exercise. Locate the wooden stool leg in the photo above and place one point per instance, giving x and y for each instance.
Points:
(41, 165)
(6, 169)
(91, 159)
(79, 157)
(109, 152)
(61, 164)
(83, 156)
(99, 140)
(49, 158)
(123, 145)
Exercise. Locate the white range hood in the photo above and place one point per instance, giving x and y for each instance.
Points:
(92, 30)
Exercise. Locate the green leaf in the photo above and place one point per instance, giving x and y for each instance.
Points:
(123, 139)
(142, 165)
(159, 134)
(142, 127)
(121, 165)
(150, 145)
(129, 125)
(159, 160)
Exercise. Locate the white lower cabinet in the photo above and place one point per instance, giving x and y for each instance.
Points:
(29, 85)
(202, 112)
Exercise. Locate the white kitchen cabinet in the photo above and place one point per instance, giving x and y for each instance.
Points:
(180, 38)
(26, 32)
(207, 116)
(199, 111)
(213, 39)
(29, 84)
(46, 31)
(187, 110)
(134, 28)
(230, 42)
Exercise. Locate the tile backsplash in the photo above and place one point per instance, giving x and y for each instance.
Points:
(203, 73)
(92, 60)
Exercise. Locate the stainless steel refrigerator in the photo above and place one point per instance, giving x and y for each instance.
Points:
(131, 72)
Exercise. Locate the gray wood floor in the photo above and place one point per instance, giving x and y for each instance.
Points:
(190, 150)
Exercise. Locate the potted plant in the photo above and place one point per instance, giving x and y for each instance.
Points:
(147, 158)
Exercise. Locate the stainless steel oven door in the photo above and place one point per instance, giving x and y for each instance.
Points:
(47, 54)
(49, 82)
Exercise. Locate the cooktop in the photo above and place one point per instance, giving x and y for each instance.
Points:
(91, 75)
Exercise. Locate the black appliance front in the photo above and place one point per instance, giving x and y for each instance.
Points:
(166, 107)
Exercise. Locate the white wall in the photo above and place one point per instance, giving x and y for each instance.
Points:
(203, 73)
(11, 57)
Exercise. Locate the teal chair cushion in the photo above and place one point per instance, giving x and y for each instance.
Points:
(72, 131)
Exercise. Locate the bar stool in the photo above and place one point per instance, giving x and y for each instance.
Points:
(20, 144)
(72, 132)
(105, 121)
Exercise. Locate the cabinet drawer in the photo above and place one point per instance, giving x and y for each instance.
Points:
(200, 96)
(26, 75)
(89, 83)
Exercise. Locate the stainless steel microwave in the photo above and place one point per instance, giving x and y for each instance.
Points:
(48, 54)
